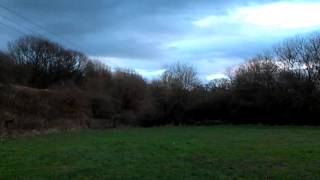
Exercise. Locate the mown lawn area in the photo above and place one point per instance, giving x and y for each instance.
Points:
(215, 152)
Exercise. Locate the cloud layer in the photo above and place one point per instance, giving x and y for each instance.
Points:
(147, 34)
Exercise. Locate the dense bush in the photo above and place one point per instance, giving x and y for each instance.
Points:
(7, 69)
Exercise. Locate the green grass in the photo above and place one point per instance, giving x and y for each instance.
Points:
(217, 152)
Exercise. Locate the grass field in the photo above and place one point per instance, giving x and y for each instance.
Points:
(216, 152)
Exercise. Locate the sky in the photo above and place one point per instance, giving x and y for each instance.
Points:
(148, 35)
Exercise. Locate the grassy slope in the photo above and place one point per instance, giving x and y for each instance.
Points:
(167, 153)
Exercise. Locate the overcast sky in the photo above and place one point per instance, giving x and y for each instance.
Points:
(146, 35)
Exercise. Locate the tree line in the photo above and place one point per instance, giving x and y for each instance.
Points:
(278, 86)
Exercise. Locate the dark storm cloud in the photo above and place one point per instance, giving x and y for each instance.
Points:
(120, 27)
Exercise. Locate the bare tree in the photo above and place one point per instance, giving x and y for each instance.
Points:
(181, 76)
(48, 62)
(259, 71)
(218, 84)
(301, 55)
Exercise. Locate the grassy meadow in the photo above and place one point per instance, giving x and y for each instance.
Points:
(215, 152)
